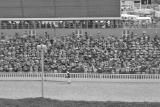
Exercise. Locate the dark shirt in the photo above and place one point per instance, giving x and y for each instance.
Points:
(68, 75)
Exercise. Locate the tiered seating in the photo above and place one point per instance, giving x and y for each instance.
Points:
(133, 54)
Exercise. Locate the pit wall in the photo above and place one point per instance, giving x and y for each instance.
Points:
(57, 32)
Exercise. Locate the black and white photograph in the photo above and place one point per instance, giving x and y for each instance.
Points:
(79, 53)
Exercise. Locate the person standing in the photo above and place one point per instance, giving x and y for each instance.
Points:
(68, 77)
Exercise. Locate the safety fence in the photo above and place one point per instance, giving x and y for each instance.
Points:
(51, 76)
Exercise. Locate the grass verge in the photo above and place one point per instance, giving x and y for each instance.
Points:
(41, 102)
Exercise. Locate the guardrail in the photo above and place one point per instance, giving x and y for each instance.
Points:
(117, 76)
(51, 76)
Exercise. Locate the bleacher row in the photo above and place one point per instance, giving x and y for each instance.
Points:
(82, 53)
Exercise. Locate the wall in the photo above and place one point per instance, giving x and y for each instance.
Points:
(59, 8)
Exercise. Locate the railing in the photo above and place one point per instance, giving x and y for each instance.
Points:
(122, 25)
(116, 76)
(50, 76)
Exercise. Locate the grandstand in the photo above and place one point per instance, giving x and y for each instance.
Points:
(86, 41)
(107, 49)
(82, 53)
(79, 38)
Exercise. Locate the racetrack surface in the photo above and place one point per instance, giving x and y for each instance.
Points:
(82, 90)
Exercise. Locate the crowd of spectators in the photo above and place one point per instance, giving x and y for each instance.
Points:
(82, 53)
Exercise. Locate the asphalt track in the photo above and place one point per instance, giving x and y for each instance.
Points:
(83, 90)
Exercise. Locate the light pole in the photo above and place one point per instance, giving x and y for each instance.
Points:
(42, 48)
